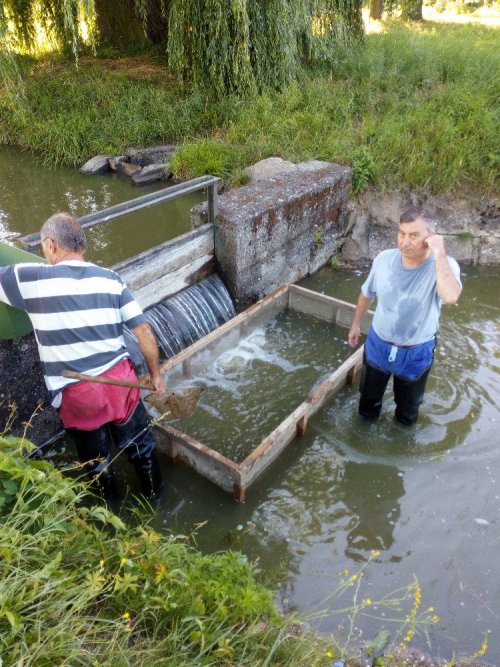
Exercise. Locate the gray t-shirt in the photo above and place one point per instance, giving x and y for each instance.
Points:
(408, 305)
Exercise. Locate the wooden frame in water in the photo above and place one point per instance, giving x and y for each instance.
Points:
(237, 477)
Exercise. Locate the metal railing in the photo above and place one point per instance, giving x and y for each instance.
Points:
(209, 183)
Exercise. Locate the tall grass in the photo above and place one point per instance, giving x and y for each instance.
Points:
(420, 103)
(77, 587)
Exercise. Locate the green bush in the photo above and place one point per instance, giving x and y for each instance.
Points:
(202, 157)
(363, 170)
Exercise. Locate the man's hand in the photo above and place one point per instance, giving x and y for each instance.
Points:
(354, 335)
(158, 383)
(362, 307)
(149, 348)
(435, 243)
(448, 287)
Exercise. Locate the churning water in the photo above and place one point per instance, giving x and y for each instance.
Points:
(251, 387)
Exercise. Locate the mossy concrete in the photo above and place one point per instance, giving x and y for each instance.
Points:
(279, 229)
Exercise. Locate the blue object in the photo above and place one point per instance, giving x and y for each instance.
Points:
(406, 362)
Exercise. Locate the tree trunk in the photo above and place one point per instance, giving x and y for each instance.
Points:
(376, 9)
(156, 23)
(412, 10)
(118, 24)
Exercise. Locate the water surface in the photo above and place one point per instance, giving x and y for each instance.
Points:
(30, 193)
(427, 498)
(251, 387)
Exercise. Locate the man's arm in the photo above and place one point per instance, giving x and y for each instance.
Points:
(362, 308)
(448, 287)
(149, 348)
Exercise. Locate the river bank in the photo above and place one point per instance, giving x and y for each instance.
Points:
(415, 108)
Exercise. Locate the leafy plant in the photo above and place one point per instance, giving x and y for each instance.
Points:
(202, 157)
(363, 170)
(319, 239)
(79, 587)
(335, 263)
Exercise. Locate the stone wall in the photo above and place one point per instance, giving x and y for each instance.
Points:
(470, 225)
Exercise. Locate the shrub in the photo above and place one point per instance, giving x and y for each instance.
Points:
(363, 170)
(207, 156)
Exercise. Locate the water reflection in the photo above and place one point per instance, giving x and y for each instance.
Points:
(371, 493)
(30, 193)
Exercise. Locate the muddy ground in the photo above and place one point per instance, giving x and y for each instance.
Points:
(23, 396)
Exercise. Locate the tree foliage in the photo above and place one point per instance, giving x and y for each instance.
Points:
(221, 45)
(234, 44)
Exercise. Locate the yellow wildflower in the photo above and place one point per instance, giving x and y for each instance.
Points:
(329, 654)
(101, 563)
(367, 602)
(123, 561)
(375, 553)
(484, 647)
(435, 618)
(126, 615)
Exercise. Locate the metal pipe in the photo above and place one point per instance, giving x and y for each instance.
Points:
(32, 241)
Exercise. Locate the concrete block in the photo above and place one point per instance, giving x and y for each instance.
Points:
(280, 229)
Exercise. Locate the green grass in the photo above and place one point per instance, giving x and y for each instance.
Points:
(416, 106)
(78, 587)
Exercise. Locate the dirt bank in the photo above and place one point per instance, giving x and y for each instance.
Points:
(469, 221)
(23, 397)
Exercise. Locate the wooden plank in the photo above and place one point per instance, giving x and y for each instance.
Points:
(268, 450)
(166, 258)
(277, 299)
(342, 375)
(152, 293)
(322, 309)
(206, 461)
(316, 304)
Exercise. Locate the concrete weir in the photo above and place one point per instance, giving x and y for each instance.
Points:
(279, 229)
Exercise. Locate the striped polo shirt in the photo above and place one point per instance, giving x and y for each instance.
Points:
(78, 311)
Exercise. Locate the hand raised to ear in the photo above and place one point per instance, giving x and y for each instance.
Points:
(435, 243)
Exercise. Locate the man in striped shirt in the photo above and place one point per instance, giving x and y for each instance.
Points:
(78, 311)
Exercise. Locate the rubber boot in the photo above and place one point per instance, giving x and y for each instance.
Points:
(149, 474)
(93, 449)
(104, 483)
(136, 437)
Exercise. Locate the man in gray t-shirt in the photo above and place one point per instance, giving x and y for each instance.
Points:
(410, 283)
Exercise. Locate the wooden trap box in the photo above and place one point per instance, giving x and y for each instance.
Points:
(229, 475)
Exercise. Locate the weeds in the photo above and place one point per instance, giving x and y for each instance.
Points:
(415, 106)
(363, 170)
(78, 587)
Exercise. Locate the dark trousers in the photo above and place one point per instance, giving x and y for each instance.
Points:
(135, 437)
(408, 394)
